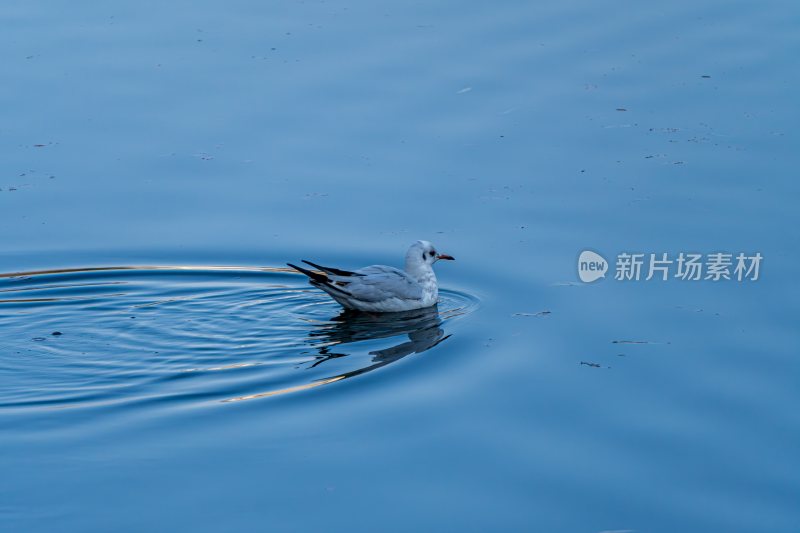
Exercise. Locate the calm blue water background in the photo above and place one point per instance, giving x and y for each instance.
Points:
(513, 135)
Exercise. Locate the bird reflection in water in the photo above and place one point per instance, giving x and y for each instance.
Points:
(421, 328)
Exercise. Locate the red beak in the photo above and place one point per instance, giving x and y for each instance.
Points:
(445, 256)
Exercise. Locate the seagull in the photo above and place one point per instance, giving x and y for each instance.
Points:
(380, 288)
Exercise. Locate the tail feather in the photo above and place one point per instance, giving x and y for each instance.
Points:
(321, 281)
(331, 289)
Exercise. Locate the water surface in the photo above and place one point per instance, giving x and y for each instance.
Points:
(513, 135)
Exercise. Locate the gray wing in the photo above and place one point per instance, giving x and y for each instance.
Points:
(377, 283)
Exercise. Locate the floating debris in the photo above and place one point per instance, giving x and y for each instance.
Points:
(589, 363)
(632, 342)
(56, 333)
(538, 314)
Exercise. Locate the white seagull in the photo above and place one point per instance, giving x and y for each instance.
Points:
(381, 288)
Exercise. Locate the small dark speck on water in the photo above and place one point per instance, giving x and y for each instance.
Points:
(705, 76)
(56, 333)
(38, 339)
(588, 363)
(538, 314)
(621, 109)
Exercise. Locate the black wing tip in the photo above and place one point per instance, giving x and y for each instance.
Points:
(299, 269)
(322, 278)
(334, 271)
(309, 263)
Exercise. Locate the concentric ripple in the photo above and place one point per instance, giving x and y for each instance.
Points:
(99, 336)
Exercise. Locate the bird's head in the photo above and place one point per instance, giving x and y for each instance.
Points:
(423, 252)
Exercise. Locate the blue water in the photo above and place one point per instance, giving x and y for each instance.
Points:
(179, 138)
